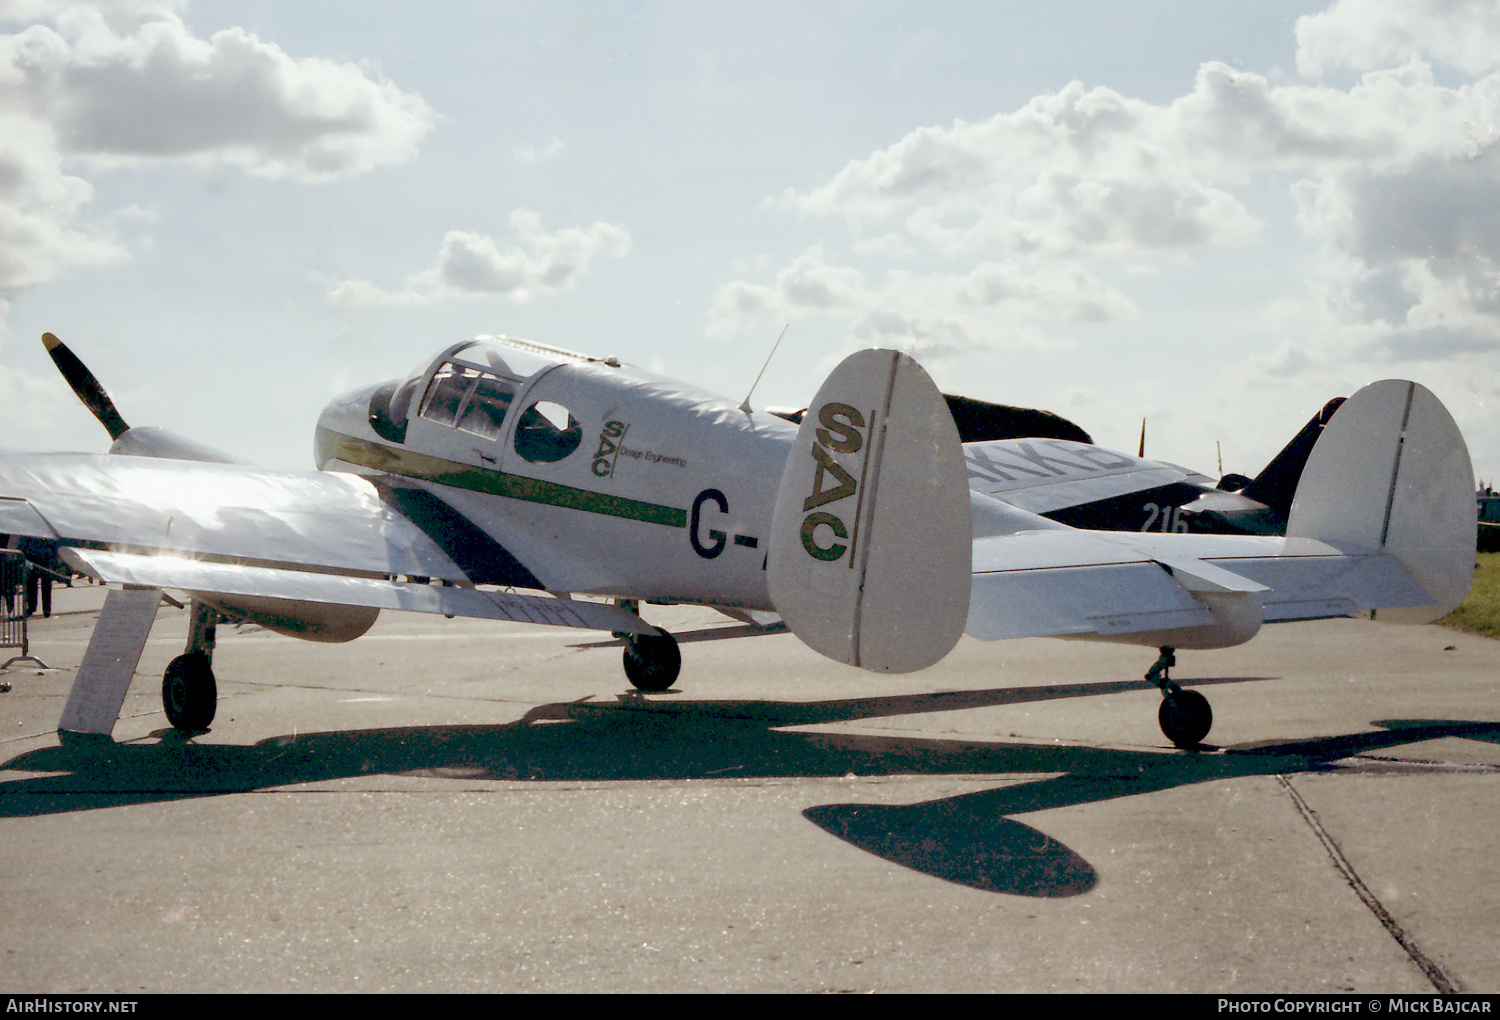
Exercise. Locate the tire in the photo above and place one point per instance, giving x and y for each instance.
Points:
(188, 692)
(1185, 718)
(652, 662)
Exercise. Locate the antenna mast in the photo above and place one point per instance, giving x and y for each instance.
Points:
(745, 404)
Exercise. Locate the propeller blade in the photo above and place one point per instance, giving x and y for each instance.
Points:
(85, 385)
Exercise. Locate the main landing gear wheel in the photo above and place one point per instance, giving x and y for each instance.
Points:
(188, 692)
(1185, 717)
(652, 661)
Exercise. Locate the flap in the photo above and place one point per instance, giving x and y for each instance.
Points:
(303, 586)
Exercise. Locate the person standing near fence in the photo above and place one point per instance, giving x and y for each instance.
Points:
(8, 586)
(45, 565)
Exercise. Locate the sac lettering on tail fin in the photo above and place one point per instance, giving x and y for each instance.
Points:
(869, 560)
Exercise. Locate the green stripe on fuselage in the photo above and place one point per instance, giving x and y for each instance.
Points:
(496, 483)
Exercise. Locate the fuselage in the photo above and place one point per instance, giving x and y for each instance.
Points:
(595, 477)
(540, 468)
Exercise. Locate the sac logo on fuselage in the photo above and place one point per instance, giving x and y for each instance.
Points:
(832, 484)
(610, 439)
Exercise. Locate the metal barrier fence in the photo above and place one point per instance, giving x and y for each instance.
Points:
(14, 572)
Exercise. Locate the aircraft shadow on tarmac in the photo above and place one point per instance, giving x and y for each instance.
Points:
(970, 839)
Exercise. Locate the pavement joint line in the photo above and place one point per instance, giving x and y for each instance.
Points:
(1429, 967)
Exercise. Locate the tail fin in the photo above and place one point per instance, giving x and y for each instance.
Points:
(871, 540)
(1276, 486)
(1391, 474)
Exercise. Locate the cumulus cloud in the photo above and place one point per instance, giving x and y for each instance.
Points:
(1392, 176)
(1027, 199)
(87, 86)
(1364, 34)
(1079, 172)
(472, 265)
(158, 92)
(994, 306)
(1410, 237)
(39, 212)
(1089, 173)
(120, 14)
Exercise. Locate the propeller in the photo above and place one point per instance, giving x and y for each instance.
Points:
(85, 385)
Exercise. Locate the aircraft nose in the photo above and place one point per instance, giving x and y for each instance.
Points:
(347, 416)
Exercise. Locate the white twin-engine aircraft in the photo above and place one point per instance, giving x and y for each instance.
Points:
(503, 478)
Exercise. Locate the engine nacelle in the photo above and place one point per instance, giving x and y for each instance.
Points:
(149, 441)
(310, 621)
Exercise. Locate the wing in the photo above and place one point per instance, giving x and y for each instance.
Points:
(1043, 476)
(236, 530)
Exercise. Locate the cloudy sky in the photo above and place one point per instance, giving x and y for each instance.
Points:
(1214, 216)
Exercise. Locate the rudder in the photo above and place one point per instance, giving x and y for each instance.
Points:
(1391, 474)
(871, 540)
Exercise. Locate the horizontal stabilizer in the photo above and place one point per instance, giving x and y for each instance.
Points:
(1383, 522)
(1192, 591)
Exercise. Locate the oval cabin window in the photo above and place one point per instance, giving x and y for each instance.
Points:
(546, 433)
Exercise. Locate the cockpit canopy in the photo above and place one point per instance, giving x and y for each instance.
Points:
(469, 386)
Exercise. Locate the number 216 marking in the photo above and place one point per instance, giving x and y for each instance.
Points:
(1170, 517)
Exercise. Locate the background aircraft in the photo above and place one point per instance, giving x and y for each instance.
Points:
(1068, 485)
(501, 465)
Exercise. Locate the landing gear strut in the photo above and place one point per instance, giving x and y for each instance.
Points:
(652, 661)
(1185, 716)
(188, 692)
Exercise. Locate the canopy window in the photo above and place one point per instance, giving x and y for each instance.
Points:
(468, 398)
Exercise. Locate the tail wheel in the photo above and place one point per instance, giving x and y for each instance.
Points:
(188, 692)
(652, 661)
(1185, 717)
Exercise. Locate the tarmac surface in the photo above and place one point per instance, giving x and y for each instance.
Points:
(451, 805)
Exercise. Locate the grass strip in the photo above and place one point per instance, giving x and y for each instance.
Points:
(1480, 612)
